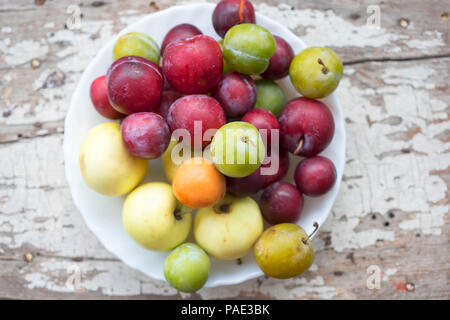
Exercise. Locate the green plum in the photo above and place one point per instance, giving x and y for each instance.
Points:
(248, 48)
(315, 72)
(226, 66)
(269, 96)
(284, 251)
(237, 149)
(187, 267)
(136, 44)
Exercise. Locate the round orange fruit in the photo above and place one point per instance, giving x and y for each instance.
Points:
(198, 184)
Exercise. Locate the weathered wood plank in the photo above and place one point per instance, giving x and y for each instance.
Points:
(393, 208)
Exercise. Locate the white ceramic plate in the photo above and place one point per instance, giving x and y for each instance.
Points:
(103, 214)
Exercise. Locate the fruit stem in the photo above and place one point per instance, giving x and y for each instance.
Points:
(324, 69)
(247, 140)
(241, 7)
(316, 227)
(223, 208)
(301, 141)
(178, 213)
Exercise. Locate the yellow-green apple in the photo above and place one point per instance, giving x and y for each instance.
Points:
(228, 229)
(105, 165)
(169, 165)
(153, 218)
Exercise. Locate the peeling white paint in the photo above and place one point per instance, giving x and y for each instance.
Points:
(389, 272)
(23, 51)
(49, 25)
(325, 28)
(378, 182)
(6, 30)
(433, 39)
(320, 26)
(313, 268)
(300, 287)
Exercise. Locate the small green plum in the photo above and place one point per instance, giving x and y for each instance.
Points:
(136, 44)
(248, 48)
(226, 66)
(187, 267)
(316, 71)
(269, 96)
(237, 149)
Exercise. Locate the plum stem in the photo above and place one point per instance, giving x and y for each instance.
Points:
(247, 140)
(178, 213)
(241, 7)
(301, 141)
(316, 227)
(324, 69)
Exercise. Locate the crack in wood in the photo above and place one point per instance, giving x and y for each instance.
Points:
(396, 59)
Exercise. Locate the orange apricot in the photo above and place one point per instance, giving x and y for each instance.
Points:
(197, 183)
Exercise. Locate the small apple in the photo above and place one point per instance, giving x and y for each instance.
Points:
(105, 164)
(236, 224)
(154, 219)
(187, 267)
(284, 250)
(170, 162)
(237, 149)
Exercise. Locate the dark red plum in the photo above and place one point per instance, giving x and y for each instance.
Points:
(307, 127)
(315, 176)
(99, 98)
(185, 111)
(167, 98)
(246, 186)
(193, 65)
(283, 167)
(134, 85)
(145, 134)
(281, 202)
(236, 94)
(179, 32)
(229, 13)
(263, 119)
(280, 61)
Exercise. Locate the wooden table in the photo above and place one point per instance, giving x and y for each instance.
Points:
(391, 216)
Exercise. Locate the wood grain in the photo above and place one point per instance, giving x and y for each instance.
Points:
(393, 208)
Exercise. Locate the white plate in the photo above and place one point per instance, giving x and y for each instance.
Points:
(103, 214)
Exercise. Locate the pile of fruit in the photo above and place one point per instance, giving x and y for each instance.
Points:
(222, 125)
